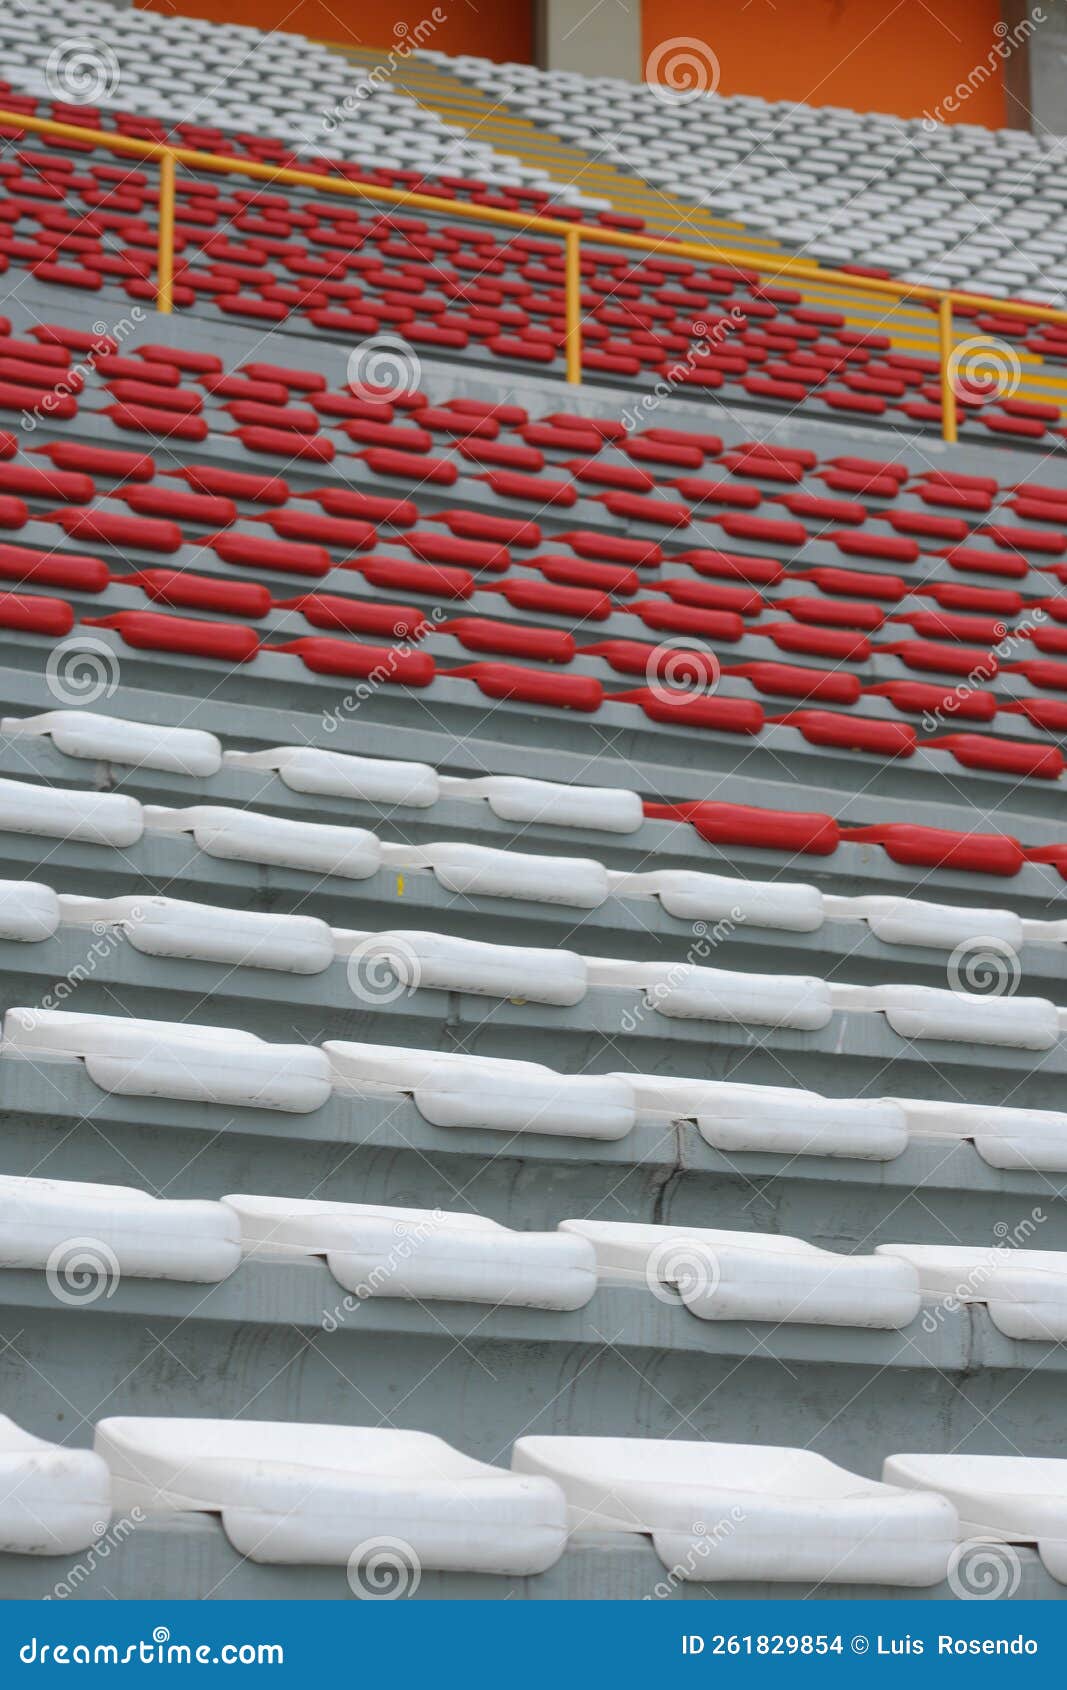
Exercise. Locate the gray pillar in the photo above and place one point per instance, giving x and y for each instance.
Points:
(1035, 67)
(593, 37)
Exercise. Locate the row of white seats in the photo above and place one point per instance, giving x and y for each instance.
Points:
(224, 1065)
(674, 990)
(71, 1229)
(32, 912)
(337, 1495)
(784, 905)
(383, 965)
(947, 205)
(188, 70)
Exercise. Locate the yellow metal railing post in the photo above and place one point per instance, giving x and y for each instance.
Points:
(803, 269)
(165, 256)
(573, 280)
(946, 348)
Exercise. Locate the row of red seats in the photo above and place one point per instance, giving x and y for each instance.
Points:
(722, 824)
(681, 614)
(811, 833)
(975, 702)
(152, 402)
(405, 665)
(264, 255)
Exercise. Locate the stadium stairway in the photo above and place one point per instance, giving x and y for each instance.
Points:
(702, 977)
(956, 205)
(460, 103)
(596, 142)
(463, 106)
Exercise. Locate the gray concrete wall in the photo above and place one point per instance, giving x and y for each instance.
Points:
(1035, 71)
(594, 37)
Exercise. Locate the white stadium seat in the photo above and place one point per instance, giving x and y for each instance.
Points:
(315, 1494)
(1024, 1290)
(53, 1500)
(421, 1253)
(738, 1511)
(754, 1276)
(73, 1229)
(999, 1498)
(172, 1059)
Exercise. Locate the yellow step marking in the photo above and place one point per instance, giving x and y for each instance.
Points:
(462, 106)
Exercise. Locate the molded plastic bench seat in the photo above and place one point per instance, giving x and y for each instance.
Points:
(753, 1276)
(915, 921)
(306, 768)
(234, 484)
(251, 552)
(170, 1059)
(482, 871)
(53, 1500)
(535, 686)
(933, 847)
(440, 960)
(111, 529)
(170, 927)
(695, 896)
(1005, 1138)
(1025, 1290)
(782, 1119)
(98, 818)
(183, 590)
(688, 991)
(80, 1232)
(389, 665)
(517, 799)
(84, 733)
(147, 630)
(247, 836)
(328, 1495)
(999, 1498)
(421, 1253)
(925, 1012)
(451, 1090)
(28, 911)
(718, 1511)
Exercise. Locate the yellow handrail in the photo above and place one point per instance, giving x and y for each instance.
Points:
(944, 301)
